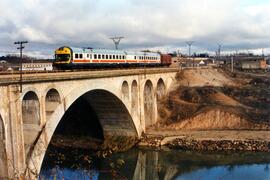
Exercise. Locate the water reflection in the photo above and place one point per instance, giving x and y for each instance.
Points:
(162, 164)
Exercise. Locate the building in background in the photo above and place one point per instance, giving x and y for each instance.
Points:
(37, 66)
(246, 63)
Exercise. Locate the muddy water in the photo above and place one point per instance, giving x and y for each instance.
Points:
(155, 164)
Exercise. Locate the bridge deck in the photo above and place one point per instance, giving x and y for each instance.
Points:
(60, 76)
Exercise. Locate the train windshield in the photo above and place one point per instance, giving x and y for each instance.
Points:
(62, 57)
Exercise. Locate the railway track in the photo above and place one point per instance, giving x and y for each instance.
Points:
(39, 76)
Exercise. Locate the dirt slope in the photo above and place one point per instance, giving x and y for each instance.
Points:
(211, 99)
(205, 77)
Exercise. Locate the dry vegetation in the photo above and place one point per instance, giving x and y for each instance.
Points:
(214, 99)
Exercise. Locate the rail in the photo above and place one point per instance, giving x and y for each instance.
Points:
(30, 77)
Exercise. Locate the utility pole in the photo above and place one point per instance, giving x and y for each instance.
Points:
(232, 59)
(179, 59)
(189, 43)
(21, 57)
(116, 41)
(219, 51)
(144, 66)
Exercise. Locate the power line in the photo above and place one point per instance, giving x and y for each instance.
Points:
(21, 47)
(189, 43)
(116, 41)
(219, 51)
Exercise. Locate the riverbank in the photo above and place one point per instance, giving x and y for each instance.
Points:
(213, 110)
(225, 140)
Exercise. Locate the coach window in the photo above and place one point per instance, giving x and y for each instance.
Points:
(134, 57)
(76, 56)
(81, 56)
(90, 56)
(120, 57)
(87, 55)
(124, 57)
(99, 56)
(116, 56)
(95, 56)
(110, 57)
(103, 56)
(107, 57)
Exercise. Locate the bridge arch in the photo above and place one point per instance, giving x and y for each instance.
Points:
(161, 89)
(3, 155)
(30, 108)
(52, 100)
(149, 104)
(134, 97)
(31, 119)
(110, 111)
(125, 90)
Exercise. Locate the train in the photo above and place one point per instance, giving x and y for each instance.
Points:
(77, 58)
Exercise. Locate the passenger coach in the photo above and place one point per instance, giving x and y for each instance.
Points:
(69, 58)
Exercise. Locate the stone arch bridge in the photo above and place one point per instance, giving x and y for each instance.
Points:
(118, 102)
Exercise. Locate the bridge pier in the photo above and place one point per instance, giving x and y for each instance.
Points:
(13, 132)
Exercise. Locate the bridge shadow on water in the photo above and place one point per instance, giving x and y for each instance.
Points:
(156, 164)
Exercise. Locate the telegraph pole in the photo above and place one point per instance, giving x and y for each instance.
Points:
(21, 48)
(189, 43)
(219, 51)
(116, 41)
(144, 66)
(232, 63)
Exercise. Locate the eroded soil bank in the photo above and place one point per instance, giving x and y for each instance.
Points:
(220, 101)
(209, 140)
(214, 110)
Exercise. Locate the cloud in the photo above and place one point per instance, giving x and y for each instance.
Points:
(145, 24)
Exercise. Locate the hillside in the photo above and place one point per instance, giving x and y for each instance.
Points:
(208, 99)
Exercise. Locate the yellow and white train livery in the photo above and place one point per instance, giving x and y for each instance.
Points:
(69, 58)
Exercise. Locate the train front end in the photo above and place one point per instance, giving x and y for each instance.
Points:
(63, 58)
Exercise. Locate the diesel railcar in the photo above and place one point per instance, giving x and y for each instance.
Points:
(72, 58)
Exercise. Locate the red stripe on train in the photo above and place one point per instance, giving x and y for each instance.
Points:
(114, 61)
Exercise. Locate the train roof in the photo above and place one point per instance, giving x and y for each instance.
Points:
(111, 51)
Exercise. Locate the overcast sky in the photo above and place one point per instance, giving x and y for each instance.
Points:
(242, 25)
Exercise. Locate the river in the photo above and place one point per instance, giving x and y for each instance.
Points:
(155, 164)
